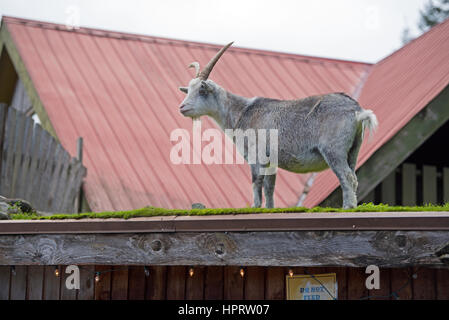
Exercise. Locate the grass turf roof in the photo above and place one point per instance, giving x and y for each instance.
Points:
(154, 212)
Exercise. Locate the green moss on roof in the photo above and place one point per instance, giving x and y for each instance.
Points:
(154, 212)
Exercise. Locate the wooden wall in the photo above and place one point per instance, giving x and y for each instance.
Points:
(411, 185)
(35, 167)
(217, 283)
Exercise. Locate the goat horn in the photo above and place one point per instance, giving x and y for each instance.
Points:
(195, 65)
(203, 75)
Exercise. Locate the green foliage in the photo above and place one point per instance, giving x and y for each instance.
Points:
(15, 207)
(154, 212)
(434, 12)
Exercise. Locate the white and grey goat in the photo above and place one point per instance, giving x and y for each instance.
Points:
(314, 133)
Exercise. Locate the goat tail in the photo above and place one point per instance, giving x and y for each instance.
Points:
(368, 120)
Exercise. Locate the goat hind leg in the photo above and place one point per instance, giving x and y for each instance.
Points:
(348, 180)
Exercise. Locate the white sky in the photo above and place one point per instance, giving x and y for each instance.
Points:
(362, 30)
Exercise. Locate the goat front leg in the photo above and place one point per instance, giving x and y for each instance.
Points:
(257, 180)
(269, 182)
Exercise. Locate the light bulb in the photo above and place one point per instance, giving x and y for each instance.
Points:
(191, 272)
(242, 272)
(56, 271)
(290, 272)
(97, 277)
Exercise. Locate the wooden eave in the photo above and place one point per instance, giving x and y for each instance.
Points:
(299, 239)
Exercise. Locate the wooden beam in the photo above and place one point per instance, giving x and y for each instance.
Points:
(399, 148)
(294, 248)
(314, 221)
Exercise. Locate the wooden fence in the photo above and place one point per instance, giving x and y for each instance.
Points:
(411, 185)
(35, 167)
(211, 283)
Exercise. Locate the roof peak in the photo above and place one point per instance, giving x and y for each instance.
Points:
(170, 41)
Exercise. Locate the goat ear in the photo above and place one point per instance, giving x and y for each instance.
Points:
(184, 89)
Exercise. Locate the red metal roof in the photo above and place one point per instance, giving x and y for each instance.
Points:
(119, 92)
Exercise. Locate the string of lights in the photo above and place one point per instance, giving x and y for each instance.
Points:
(242, 272)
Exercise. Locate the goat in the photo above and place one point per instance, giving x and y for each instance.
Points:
(314, 133)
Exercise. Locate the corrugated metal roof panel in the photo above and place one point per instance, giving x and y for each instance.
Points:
(119, 92)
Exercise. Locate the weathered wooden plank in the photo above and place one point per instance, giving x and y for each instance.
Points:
(66, 294)
(195, 284)
(73, 184)
(429, 185)
(76, 189)
(383, 293)
(424, 286)
(34, 163)
(388, 189)
(156, 283)
(446, 185)
(3, 116)
(442, 284)
(35, 282)
(119, 283)
(42, 153)
(398, 148)
(79, 157)
(67, 204)
(61, 184)
(23, 180)
(401, 283)
(9, 152)
(254, 283)
(356, 284)
(233, 283)
(18, 145)
(45, 172)
(5, 275)
(275, 283)
(213, 283)
(19, 283)
(55, 175)
(103, 286)
(136, 283)
(87, 285)
(176, 282)
(300, 248)
(52, 284)
(408, 184)
(20, 100)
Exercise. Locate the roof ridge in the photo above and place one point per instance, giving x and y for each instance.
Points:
(170, 41)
